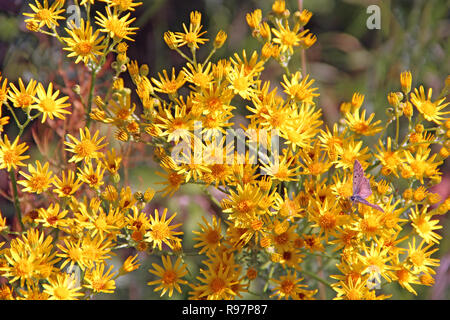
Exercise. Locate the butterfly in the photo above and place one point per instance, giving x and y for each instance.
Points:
(361, 187)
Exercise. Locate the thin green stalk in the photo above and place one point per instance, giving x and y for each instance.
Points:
(12, 175)
(209, 56)
(316, 277)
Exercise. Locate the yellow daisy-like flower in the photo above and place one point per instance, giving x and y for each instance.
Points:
(299, 91)
(45, 15)
(405, 277)
(169, 86)
(287, 38)
(243, 205)
(242, 83)
(351, 289)
(358, 123)
(421, 165)
(209, 237)
(93, 178)
(66, 186)
(170, 275)
(23, 97)
(118, 28)
(62, 287)
(288, 286)
(11, 154)
(123, 5)
(199, 75)
(86, 148)
(100, 281)
(38, 180)
(173, 178)
(217, 284)
(430, 110)
(160, 230)
(423, 226)
(192, 37)
(83, 43)
(52, 217)
(419, 257)
(49, 104)
(390, 159)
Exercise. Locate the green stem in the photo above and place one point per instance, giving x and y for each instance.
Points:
(184, 56)
(12, 175)
(210, 55)
(316, 277)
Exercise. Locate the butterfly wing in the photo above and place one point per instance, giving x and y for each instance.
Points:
(361, 185)
(367, 203)
(358, 175)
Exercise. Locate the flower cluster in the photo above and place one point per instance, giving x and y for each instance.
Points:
(283, 225)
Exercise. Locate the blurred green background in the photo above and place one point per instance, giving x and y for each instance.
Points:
(347, 58)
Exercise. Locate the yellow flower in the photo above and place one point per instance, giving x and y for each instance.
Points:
(288, 286)
(86, 148)
(93, 178)
(299, 91)
(209, 237)
(49, 105)
(174, 179)
(390, 159)
(405, 81)
(30, 257)
(3, 91)
(11, 154)
(67, 186)
(198, 76)
(217, 284)
(45, 15)
(351, 289)
(242, 83)
(117, 28)
(420, 258)
(420, 166)
(52, 217)
(123, 5)
(38, 180)
(129, 265)
(242, 205)
(220, 39)
(161, 231)
(254, 18)
(424, 226)
(251, 65)
(169, 86)
(287, 38)
(191, 37)
(62, 287)
(358, 123)
(100, 281)
(170, 275)
(430, 110)
(83, 43)
(23, 97)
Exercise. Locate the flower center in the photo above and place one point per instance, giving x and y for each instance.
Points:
(169, 277)
(217, 285)
(84, 47)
